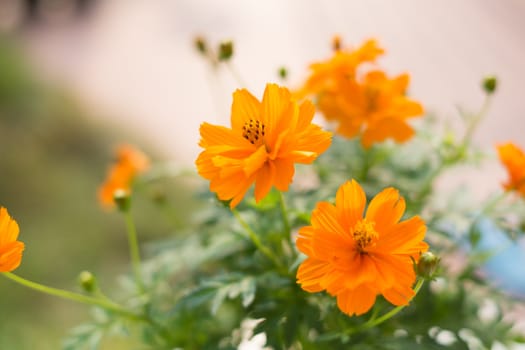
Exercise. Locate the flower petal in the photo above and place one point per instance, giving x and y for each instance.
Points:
(324, 217)
(309, 273)
(357, 301)
(385, 209)
(350, 202)
(244, 107)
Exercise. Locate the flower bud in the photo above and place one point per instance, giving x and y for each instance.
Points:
(200, 45)
(225, 51)
(283, 73)
(490, 84)
(427, 265)
(336, 43)
(87, 281)
(122, 199)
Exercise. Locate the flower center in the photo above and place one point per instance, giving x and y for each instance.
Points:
(364, 235)
(372, 95)
(253, 131)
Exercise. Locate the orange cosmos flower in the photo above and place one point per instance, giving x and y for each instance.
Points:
(326, 76)
(264, 142)
(10, 248)
(130, 162)
(355, 258)
(376, 108)
(514, 160)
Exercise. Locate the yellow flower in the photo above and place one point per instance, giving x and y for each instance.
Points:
(10, 248)
(514, 160)
(326, 76)
(356, 258)
(264, 142)
(130, 162)
(376, 108)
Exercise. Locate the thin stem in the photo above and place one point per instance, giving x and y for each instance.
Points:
(256, 241)
(80, 298)
(366, 164)
(376, 321)
(475, 121)
(284, 214)
(134, 250)
(236, 74)
(459, 150)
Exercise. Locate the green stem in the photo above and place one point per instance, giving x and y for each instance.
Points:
(459, 150)
(256, 241)
(236, 74)
(376, 321)
(366, 164)
(80, 298)
(134, 250)
(475, 121)
(284, 213)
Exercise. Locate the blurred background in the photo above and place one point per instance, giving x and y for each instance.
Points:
(79, 77)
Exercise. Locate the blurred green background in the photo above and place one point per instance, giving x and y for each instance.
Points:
(53, 157)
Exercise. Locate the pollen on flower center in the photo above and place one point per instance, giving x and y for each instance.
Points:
(364, 234)
(253, 131)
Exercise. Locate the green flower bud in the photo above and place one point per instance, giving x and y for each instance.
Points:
(490, 84)
(122, 199)
(87, 281)
(200, 45)
(427, 265)
(225, 51)
(283, 73)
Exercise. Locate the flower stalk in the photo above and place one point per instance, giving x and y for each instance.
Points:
(256, 241)
(134, 250)
(79, 298)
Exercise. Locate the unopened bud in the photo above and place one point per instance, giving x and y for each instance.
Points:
(122, 199)
(283, 73)
(225, 51)
(427, 265)
(87, 281)
(336, 43)
(200, 45)
(490, 84)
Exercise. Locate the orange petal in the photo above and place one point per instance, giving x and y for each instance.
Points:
(255, 161)
(395, 270)
(309, 273)
(394, 128)
(403, 238)
(284, 171)
(8, 228)
(244, 107)
(399, 295)
(304, 240)
(275, 102)
(216, 135)
(385, 209)
(265, 178)
(357, 301)
(324, 217)
(10, 256)
(330, 246)
(350, 202)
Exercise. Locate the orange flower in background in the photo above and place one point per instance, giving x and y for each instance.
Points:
(10, 248)
(376, 108)
(514, 160)
(129, 163)
(326, 76)
(356, 258)
(264, 142)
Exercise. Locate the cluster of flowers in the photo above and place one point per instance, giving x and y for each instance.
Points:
(353, 251)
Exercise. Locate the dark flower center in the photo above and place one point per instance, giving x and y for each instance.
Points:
(253, 131)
